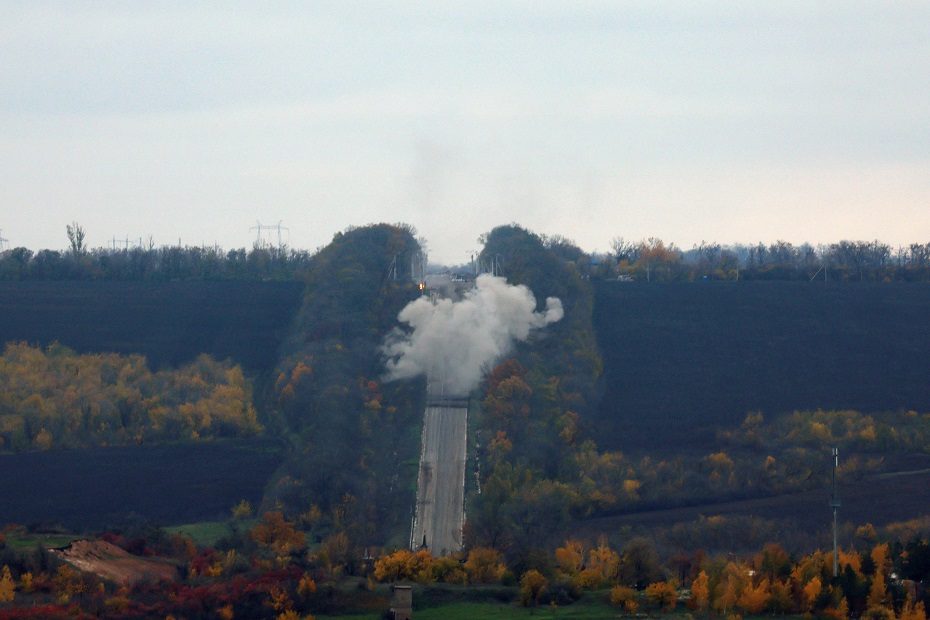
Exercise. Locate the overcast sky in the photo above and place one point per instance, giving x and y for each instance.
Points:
(725, 121)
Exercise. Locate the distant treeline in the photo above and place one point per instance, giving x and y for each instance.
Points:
(648, 260)
(158, 264)
(653, 260)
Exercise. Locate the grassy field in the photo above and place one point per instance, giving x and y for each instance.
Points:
(168, 322)
(162, 484)
(23, 541)
(207, 533)
(681, 359)
(590, 607)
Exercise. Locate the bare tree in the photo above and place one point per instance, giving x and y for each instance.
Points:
(76, 238)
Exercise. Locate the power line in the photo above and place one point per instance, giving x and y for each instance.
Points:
(278, 228)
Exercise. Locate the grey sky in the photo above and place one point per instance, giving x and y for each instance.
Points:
(726, 121)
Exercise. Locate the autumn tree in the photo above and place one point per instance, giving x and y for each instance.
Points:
(733, 579)
(910, 611)
(7, 586)
(485, 565)
(781, 600)
(663, 594)
(602, 567)
(242, 510)
(569, 558)
(700, 593)
(654, 256)
(811, 592)
(507, 401)
(753, 599)
(278, 534)
(532, 587)
(878, 592)
(773, 562)
(448, 569)
(625, 597)
(394, 566)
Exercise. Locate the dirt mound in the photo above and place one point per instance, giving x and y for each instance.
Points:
(114, 564)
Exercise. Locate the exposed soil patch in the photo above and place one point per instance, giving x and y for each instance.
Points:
(110, 562)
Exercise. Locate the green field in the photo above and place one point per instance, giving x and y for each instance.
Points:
(584, 609)
(23, 541)
(207, 533)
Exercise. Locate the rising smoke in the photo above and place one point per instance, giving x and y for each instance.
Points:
(456, 342)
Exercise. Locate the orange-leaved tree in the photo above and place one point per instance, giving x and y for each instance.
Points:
(532, 587)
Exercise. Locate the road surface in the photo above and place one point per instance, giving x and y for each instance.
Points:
(440, 510)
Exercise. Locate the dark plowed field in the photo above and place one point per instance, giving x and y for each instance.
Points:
(681, 359)
(878, 500)
(168, 322)
(166, 484)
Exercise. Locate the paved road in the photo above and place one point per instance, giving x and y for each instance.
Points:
(440, 510)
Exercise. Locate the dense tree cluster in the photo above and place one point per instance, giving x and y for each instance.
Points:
(269, 569)
(54, 398)
(530, 420)
(353, 437)
(902, 431)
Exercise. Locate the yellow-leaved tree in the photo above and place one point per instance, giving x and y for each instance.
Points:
(811, 592)
(625, 597)
(532, 586)
(754, 598)
(663, 593)
(878, 592)
(569, 557)
(7, 586)
(913, 612)
(485, 565)
(700, 592)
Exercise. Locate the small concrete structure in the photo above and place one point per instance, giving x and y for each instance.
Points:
(402, 602)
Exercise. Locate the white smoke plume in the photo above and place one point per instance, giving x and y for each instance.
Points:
(456, 342)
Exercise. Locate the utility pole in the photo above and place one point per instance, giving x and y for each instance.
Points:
(835, 504)
(3, 241)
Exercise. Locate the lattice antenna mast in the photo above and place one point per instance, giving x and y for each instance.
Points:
(496, 265)
(835, 504)
(276, 228)
(258, 234)
(279, 228)
(123, 242)
(418, 262)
